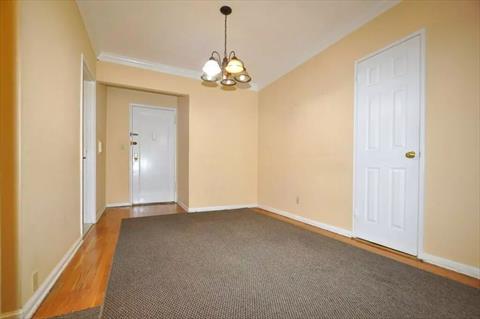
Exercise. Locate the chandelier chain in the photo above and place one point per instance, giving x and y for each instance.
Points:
(225, 44)
(230, 70)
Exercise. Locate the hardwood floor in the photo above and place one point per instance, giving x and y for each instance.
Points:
(84, 282)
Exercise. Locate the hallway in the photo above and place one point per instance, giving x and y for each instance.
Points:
(84, 281)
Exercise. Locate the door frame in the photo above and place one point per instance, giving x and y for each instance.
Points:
(130, 154)
(422, 154)
(90, 184)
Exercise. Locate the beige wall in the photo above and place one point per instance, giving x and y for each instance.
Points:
(101, 128)
(306, 127)
(118, 129)
(222, 134)
(182, 150)
(118, 119)
(8, 157)
(304, 144)
(52, 39)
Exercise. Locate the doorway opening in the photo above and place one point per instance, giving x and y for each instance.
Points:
(88, 150)
(153, 150)
(389, 146)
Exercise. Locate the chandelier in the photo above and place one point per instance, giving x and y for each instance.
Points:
(230, 70)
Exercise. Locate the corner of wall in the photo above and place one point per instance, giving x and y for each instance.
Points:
(9, 165)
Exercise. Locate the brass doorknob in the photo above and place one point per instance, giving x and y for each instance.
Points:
(410, 154)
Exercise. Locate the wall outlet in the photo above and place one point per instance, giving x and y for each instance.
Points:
(297, 200)
(35, 281)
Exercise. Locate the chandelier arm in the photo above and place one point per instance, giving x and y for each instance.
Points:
(219, 60)
(232, 53)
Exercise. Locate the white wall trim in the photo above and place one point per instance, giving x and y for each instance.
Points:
(100, 214)
(154, 66)
(34, 302)
(431, 259)
(87, 183)
(111, 205)
(216, 208)
(452, 265)
(329, 40)
(308, 221)
(423, 125)
(11, 314)
(183, 205)
(82, 64)
(335, 36)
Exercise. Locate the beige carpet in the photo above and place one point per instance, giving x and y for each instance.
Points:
(239, 264)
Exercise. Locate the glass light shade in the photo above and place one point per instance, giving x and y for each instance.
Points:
(235, 66)
(210, 78)
(211, 68)
(228, 81)
(243, 77)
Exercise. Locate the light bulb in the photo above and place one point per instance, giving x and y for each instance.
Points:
(211, 68)
(227, 80)
(210, 78)
(243, 77)
(234, 66)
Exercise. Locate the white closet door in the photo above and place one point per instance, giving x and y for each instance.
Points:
(387, 147)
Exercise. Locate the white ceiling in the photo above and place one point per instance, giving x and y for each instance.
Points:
(271, 37)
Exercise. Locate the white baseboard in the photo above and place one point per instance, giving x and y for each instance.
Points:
(214, 208)
(438, 261)
(34, 302)
(11, 314)
(450, 264)
(181, 204)
(111, 205)
(308, 221)
(99, 214)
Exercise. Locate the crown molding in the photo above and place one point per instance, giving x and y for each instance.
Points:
(328, 41)
(153, 66)
(336, 36)
(144, 64)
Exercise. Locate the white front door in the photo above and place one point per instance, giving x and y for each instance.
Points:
(387, 167)
(153, 154)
